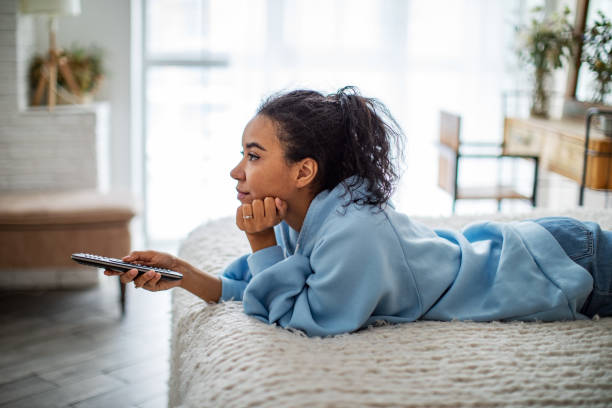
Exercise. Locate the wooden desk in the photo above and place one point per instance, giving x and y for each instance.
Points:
(560, 145)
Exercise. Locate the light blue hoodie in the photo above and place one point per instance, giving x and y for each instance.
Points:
(350, 267)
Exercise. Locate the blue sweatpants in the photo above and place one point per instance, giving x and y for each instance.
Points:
(590, 247)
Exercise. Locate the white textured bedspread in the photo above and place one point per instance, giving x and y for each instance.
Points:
(223, 358)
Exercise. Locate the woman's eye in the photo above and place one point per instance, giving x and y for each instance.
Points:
(251, 156)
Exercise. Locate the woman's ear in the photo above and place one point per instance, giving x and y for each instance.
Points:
(307, 171)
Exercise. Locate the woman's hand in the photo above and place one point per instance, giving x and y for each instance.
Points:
(260, 215)
(258, 218)
(149, 280)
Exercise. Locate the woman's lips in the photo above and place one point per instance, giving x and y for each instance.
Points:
(241, 195)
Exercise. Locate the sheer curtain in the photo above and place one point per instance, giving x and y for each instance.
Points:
(209, 63)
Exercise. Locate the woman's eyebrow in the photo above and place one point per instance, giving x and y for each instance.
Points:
(255, 144)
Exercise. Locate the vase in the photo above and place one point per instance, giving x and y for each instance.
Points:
(540, 101)
(540, 97)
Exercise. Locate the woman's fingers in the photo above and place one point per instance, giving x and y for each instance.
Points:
(244, 217)
(239, 219)
(151, 258)
(258, 210)
(151, 284)
(281, 208)
(138, 256)
(269, 207)
(254, 217)
(112, 273)
(142, 280)
(131, 256)
(260, 215)
(128, 276)
(149, 280)
(247, 212)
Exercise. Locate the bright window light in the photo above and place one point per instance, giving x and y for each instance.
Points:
(209, 63)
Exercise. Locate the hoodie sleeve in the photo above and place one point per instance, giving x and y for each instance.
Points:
(334, 291)
(237, 275)
(235, 279)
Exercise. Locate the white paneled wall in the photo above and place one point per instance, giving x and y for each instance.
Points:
(41, 150)
(8, 58)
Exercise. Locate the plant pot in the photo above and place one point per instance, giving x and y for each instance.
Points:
(573, 108)
(67, 98)
(605, 122)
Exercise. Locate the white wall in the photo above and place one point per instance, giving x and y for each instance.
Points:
(41, 150)
(105, 23)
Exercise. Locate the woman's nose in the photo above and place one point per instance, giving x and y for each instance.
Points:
(237, 173)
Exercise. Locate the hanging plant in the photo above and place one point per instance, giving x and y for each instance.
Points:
(545, 44)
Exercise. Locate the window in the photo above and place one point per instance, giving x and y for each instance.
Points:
(209, 63)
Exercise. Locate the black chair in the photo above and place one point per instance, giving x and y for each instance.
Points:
(452, 151)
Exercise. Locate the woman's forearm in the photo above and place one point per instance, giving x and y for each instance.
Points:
(202, 284)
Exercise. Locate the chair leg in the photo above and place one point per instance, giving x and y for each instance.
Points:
(499, 205)
(122, 287)
(534, 192)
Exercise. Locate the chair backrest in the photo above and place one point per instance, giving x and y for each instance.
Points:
(450, 130)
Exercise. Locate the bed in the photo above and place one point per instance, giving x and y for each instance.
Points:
(221, 357)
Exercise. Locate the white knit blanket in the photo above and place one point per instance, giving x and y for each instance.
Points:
(223, 358)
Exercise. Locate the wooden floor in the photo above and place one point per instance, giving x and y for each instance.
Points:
(72, 349)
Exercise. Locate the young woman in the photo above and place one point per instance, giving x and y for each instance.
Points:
(330, 254)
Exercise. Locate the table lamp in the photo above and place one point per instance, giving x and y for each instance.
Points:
(53, 63)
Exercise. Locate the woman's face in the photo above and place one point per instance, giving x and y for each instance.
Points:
(263, 170)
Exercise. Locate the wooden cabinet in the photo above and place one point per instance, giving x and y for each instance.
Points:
(560, 146)
(522, 138)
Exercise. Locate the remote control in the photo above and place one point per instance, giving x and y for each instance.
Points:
(118, 265)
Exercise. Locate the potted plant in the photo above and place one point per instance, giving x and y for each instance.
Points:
(545, 44)
(597, 54)
(79, 83)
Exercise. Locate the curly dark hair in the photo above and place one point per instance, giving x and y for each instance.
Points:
(346, 133)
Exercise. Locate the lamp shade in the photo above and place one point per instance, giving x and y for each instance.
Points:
(51, 7)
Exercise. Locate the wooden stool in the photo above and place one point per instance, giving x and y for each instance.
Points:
(39, 231)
